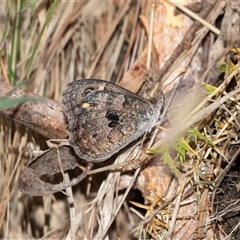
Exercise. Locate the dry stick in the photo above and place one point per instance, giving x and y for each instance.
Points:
(17, 163)
(112, 177)
(4, 70)
(230, 120)
(117, 46)
(179, 195)
(6, 195)
(108, 204)
(150, 41)
(47, 199)
(7, 215)
(55, 41)
(103, 45)
(113, 167)
(8, 182)
(91, 221)
(103, 198)
(72, 231)
(124, 196)
(121, 202)
(196, 17)
(185, 43)
(177, 203)
(204, 206)
(132, 40)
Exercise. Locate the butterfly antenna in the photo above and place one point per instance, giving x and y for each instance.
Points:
(179, 75)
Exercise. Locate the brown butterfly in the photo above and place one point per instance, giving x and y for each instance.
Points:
(104, 118)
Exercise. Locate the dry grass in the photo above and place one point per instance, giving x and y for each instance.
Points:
(103, 40)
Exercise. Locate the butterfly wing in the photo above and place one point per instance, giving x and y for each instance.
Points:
(104, 118)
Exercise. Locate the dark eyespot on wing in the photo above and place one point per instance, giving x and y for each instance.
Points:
(112, 124)
(112, 116)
